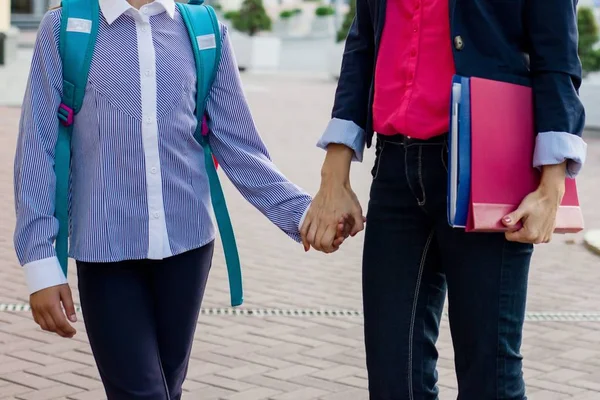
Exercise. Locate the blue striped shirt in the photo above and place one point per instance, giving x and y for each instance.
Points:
(139, 187)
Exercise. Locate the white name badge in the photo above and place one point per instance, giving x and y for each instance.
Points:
(206, 42)
(79, 25)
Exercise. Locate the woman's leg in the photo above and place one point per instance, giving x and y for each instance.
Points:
(403, 286)
(487, 290)
(118, 312)
(178, 288)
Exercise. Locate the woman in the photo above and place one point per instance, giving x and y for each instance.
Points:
(142, 233)
(396, 78)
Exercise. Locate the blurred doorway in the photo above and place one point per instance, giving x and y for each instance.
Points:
(27, 14)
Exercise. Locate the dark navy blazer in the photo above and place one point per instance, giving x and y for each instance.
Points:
(531, 42)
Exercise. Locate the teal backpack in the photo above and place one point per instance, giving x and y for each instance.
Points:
(79, 29)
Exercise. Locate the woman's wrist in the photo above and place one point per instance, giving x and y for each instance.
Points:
(553, 178)
(336, 167)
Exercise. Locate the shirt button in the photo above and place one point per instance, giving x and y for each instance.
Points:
(153, 170)
(413, 52)
(156, 215)
(145, 11)
(148, 120)
(148, 73)
(458, 43)
(411, 76)
(417, 5)
(144, 29)
(415, 28)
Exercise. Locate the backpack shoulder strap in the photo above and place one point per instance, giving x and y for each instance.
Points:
(78, 31)
(205, 36)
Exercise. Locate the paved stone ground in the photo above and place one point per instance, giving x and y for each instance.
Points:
(301, 357)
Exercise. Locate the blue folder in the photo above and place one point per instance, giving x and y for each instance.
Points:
(459, 153)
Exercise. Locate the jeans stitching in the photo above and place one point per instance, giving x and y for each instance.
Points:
(498, 360)
(394, 143)
(406, 172)
(413, 316)
(422, 144)
(420, 173)
(378, 164)
(162, 372)
(444, 148)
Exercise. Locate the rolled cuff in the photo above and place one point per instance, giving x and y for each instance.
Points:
(43, 274)
(553, 148)
(340, 131)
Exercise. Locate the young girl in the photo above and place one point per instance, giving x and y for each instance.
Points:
(142, 233)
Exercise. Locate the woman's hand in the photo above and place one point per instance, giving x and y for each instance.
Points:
(537, 212)
(47, 311)
(335, 204)
(335, 213)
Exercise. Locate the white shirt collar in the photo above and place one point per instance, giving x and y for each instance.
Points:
(113, 9)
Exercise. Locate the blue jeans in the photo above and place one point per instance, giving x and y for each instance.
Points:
(411, 258)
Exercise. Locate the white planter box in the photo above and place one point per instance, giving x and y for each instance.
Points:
(323, 26)
(335, 59)
(231, 4)
(11, 44)
(266, 51)
(241, 48)
(286, 27)
(256, 52)
(590, 97)
(295, 26)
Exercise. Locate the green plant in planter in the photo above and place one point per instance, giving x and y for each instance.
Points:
(588, 40)
(252, 18)
(231, 15)
(324, 11)
(348, 19)
(286, 14)
(297, 11)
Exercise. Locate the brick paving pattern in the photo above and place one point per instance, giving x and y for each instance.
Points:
(301, 357)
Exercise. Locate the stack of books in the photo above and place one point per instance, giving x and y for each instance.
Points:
(490, 168)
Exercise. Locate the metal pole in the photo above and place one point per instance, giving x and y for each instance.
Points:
(39, 8)
(4, 15)
(2, 48)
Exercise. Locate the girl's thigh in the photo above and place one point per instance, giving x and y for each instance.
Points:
(178, 289)
(118, 310)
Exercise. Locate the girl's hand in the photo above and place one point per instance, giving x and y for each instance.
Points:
(47, 311)
(344, 229)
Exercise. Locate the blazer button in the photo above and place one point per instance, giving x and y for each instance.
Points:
(458, 43)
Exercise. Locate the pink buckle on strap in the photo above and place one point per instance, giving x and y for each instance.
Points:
(204, 126)
(67, 114)
(204, 132)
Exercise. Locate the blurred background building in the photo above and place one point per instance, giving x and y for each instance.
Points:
(27, 14)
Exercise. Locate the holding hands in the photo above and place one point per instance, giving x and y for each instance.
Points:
(335, 212)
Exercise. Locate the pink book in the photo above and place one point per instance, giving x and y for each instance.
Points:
(502, 144)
